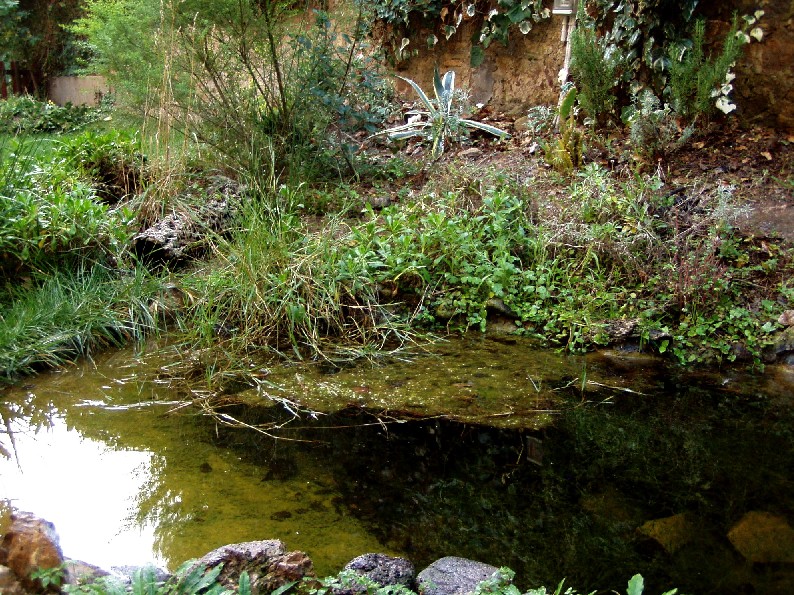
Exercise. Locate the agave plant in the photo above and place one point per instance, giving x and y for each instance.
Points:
(440, 119)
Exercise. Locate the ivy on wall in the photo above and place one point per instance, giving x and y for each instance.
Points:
(494, 20)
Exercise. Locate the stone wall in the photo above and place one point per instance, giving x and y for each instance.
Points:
(510, 79)
(77, 90)
(525, 72)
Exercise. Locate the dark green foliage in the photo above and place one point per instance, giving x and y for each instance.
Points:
(593, 69)
(48, 214)
(112, 162)
(695, 79)
(25, 115)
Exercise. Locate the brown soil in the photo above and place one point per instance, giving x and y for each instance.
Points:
(757, 162)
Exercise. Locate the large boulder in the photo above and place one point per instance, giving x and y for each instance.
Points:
(268, 564)
(30, 544)
(764, 538)
(383, 570)
(453, 576)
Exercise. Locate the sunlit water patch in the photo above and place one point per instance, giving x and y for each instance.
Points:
(125, 480)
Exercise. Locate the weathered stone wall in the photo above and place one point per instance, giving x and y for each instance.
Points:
(764, 85)
(525, 72)
(77, 90)
(510, 79)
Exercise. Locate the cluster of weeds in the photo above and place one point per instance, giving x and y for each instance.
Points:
(23, 114)
(51, 212)
(68, 284)
(111, 161)
(277, 284)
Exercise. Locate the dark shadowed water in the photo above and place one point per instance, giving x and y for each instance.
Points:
(591, 468)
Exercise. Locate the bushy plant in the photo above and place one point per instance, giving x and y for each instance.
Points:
(23, 114)
(48, 214)
(441, 119)
(268, 86)
(112, 161)
(654, 131)
(700, 85)
(593, 69)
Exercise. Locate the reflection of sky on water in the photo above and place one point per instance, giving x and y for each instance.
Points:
(128, 478)
(51, 479)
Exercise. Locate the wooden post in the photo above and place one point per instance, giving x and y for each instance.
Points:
(3, 90)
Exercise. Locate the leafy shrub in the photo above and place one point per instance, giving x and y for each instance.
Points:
(22, 114)
(48, 214)
(110, 161)
(654, 130)
(700, 85)
(593, 69)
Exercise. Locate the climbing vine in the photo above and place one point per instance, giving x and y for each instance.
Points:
(494, 20)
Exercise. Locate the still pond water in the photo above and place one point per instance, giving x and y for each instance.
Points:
(591, 468)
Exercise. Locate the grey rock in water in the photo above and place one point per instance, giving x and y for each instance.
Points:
(382, 569)
(782, 345)
(268, 564)
(453, 576)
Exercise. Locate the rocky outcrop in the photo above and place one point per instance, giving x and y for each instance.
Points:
(453, 576)
(781, 346)
(268, 563)
(29, 544)
(381, 569)
(185, 234)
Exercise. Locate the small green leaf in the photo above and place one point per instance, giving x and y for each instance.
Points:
(636, 585)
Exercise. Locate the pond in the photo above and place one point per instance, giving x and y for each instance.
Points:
(592, 468)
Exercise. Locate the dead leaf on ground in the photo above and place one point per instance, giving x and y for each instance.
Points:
(766, 155)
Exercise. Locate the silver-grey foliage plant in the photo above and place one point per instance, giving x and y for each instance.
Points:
(440, 119)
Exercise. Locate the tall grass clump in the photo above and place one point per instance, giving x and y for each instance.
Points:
(276, 285)
(54, 317)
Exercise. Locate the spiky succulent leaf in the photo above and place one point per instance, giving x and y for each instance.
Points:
(422, 95)
(486, 127)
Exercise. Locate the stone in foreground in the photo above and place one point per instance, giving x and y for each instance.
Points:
(268, 564)
(30, 543)
(384, 570)
(763, 538)
(453, 576)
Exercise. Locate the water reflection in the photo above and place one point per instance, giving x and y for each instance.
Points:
(567, 492)
(97, 451)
